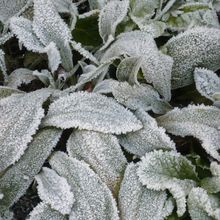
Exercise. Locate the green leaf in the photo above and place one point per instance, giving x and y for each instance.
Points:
(55, 191)
(94, 200)
(138, 202)
(160, 170)
(198, 47)
(44, 212)
(110, 17)
(102, 152)
(17, 179)
(7, 91)
(200, 205)
(149, 138)
(207, 82)
(20, 117)
(200, 121)
(91, 111)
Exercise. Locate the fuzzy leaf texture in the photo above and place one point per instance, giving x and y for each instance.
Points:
(138, 202)
(110, 16)
(140, 97)
(17, 179)
(44, 212)
(20, 117)
(200, 205)
(3, 64)
(20, 76)
(94, 200)
(91, 111)
(207, 82)
(200, 121)
(102, 152)
(160, 170)
(55, 191)
(149, 138)
(198, 47)
(156, 67)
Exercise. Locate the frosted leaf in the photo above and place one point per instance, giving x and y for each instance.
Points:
(212, 184)
(149, 138)
(201, 122)
(23, 30)
(156, 67)
(17, 179)
(102, 152)
(91, 111)
(97, 4)
(7, 91)
(128, 70)
(44, 212)
(67, 6)
(156, 28)
(20, 76)
(10, 8)
(207, 82)
(20, 117)
(139, 97)
(54, 57)
(3, 65)
(48, 25)
(55, 191)
(85, 53)
(200, 205)
(94, 200)
(198, 47)
(138, 202)
(5, 38)
(110, 17)
(160, 170)
(106, 86)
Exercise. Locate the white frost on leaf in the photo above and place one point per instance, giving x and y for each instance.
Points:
(149, 138)
(156, 66)
(3, 64)
(20, 117)
(200, 121)
(198, 47)
(44, 212)
(94, 200)
(17, 179)
(55, 191)
(207, 82)
(102, 152)
(138, 202)
(171, 171)
(200, 205)
(140, 97)
(91, 111)
(110, 17)
(20, 76)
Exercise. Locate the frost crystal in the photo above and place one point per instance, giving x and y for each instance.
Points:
(138, 202)
(55, 191)
(91, 111)
(20, 117)
(93, 198)
(198, 47)
(200, 121)
(149, 138)
(102, 152)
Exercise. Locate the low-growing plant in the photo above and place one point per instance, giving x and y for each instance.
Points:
(110, 109)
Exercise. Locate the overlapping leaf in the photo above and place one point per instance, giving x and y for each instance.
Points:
(200, 121)
(149, 138)
(138, 202)
(17, 179)
(160, 170)
(94, 200)
(20, 117)
(91, 111)
(102, 152)
(6, 91)
(198, 47)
